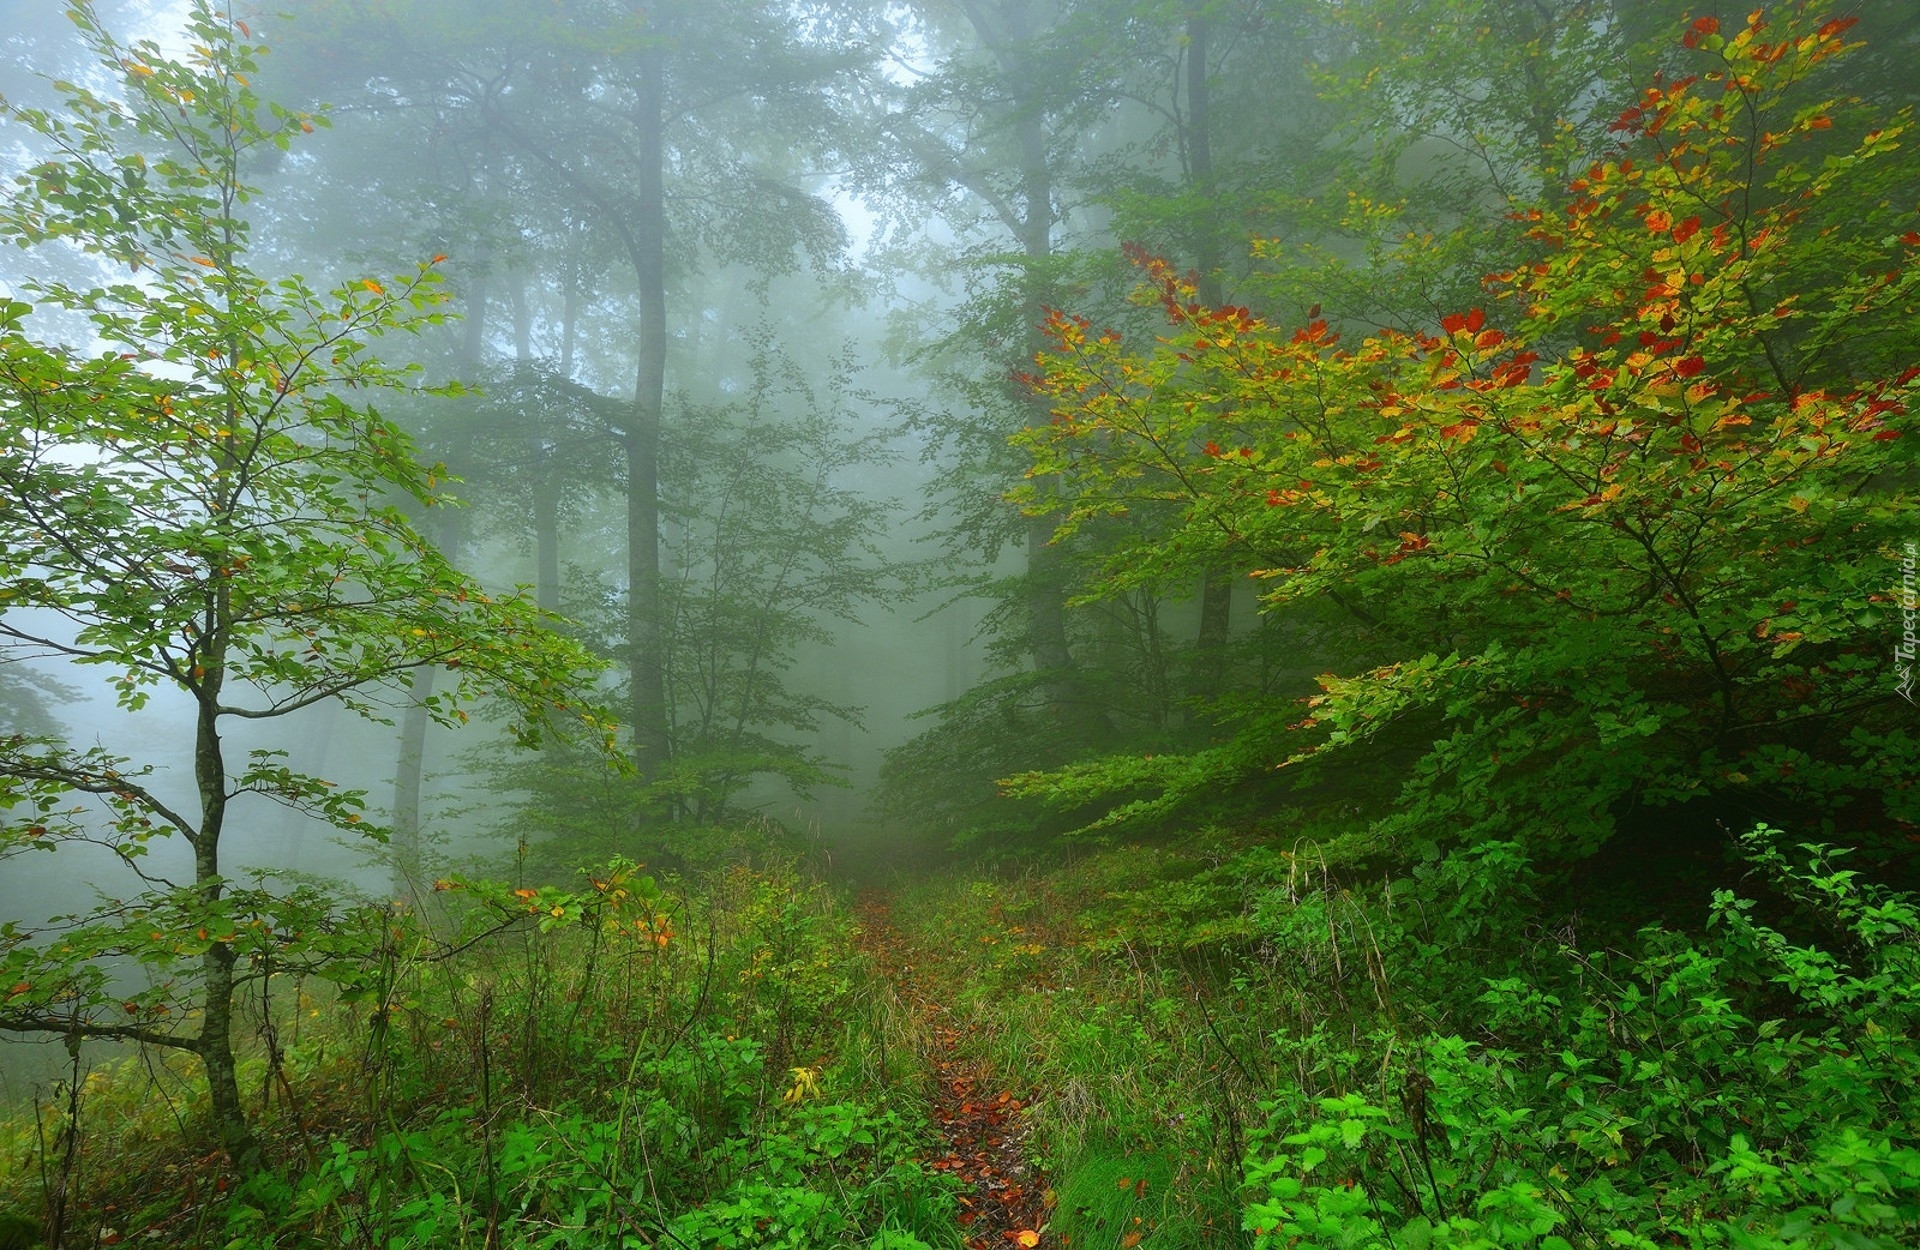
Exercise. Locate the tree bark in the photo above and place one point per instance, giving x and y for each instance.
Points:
(647, 241)
(546, 541)
(409, 768)
(1047, 642)
(1216, 587)
(215, 1043)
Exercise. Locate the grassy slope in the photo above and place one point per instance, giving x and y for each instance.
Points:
(1216, 1046)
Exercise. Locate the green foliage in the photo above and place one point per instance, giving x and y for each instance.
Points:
(202, 507)
(634, 1060)
(1627, 540)
(1742, 1089)
(772, 547)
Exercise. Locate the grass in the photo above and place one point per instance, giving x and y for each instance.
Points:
(1219, 1046)
(708, 1065)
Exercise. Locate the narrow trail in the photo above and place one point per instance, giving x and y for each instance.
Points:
(1006, 1202)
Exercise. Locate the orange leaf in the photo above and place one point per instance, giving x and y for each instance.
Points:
(1659, 221)
(1028, 1238)
(1129, 1241)
(373, 286)
(201, 260)
(1707, 25)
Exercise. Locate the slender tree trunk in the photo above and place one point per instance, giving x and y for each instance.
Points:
(474, 349)
(409, 769)
(569, 316)
(545, 489)
(522, 316)
(646, 661)
(546, 541)
(1047, 642)
(1216, 589)
(215, 1044)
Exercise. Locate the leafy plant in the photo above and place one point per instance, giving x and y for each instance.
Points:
(1621, 536)
(1746, 1089)
(200, 507)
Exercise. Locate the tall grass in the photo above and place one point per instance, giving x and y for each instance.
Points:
(689, 1060)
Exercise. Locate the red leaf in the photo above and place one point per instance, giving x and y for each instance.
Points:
(1686, 230)
(1475, 319)
(1689, 367)
(1886, 436)
(1838, 25)
(1707, 25)
(1453, 323)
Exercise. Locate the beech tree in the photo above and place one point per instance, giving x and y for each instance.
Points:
(202, 504)
(671, 131)
(1622, 533)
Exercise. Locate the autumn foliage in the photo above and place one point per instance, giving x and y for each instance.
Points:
(1625, 531)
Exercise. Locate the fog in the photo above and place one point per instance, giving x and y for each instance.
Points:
(743, 303)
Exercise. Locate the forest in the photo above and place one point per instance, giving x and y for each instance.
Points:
(959, 624)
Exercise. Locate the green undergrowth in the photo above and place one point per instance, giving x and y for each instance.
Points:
(1236, 1047)
(638, 1060)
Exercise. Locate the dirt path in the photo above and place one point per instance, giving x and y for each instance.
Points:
(1005, 1202)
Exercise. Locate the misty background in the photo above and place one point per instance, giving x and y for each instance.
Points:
(864, 211)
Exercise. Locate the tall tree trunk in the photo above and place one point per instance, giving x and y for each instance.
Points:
(1216, 588)
(409, 769)
(1047, 642)
(569, 315)
(545, 489)
(546, 540)
(522, 316)
(647, 241)
(474, 347)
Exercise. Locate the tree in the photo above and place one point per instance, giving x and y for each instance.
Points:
(202, 507)
(671, 131)
(991, 131)
(1620, 537)
(771, 546)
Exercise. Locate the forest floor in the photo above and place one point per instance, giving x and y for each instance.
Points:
(981, 1114)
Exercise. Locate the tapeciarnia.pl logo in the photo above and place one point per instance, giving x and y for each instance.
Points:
(1905, 649)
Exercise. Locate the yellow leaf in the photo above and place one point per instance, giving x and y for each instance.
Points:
(1028, 1238)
